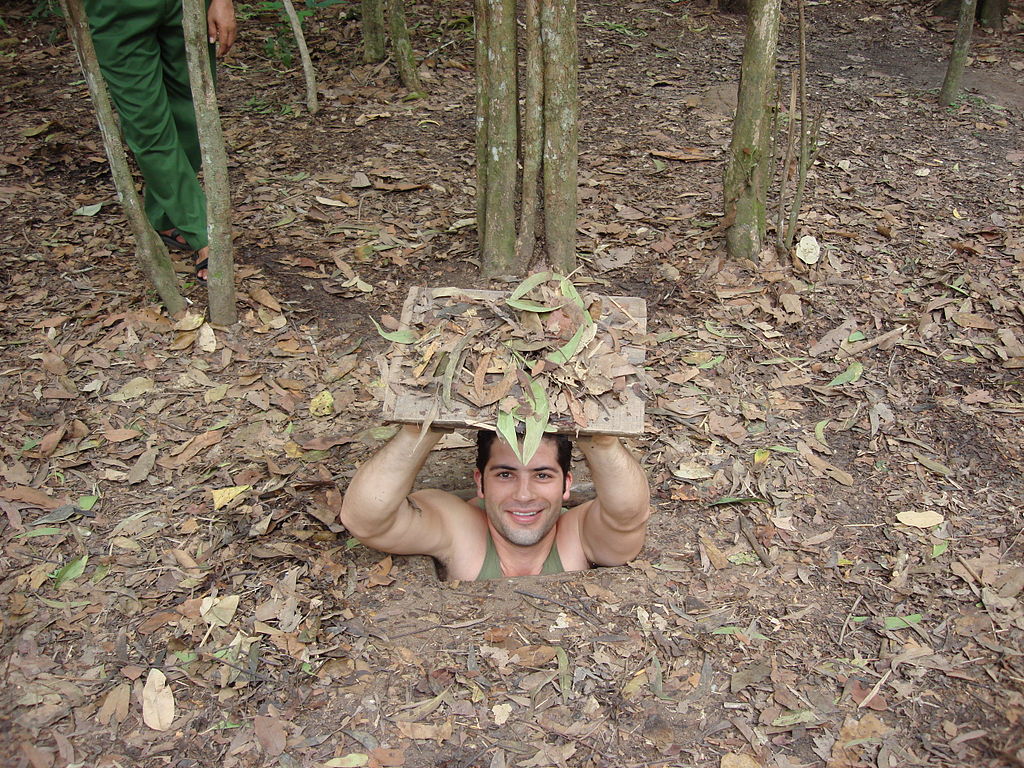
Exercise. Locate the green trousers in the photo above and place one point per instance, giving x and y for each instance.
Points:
(140, 46)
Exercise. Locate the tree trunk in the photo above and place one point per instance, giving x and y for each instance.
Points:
(749, 167)
(992, 13)
(373, 31)
(405, 59)
(498, 251)
(150, 250)
(550, 134)
(561, 131)
(483, 90)
(307, 64)
(221, 277)
(533, 132)
(958, 57)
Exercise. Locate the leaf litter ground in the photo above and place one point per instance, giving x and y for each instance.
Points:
(177, 590)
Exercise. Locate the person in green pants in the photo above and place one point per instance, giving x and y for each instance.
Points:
(140, 46)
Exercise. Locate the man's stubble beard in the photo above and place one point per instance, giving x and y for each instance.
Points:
(521, 537)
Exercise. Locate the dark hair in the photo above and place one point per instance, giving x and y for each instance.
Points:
(485, 439)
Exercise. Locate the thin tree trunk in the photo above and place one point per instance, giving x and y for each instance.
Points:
(561, 131)
(483, 90)
(405, 59)
(804, 157)
(150, 251)
(749, 166)
(533, 133)
(307, 64)
(958, 58)
(498, 255)
(373, 31)
(221, 277)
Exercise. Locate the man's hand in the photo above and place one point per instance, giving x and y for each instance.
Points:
(221, 25)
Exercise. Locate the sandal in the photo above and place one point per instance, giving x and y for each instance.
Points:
(174, 240)
(199, 267)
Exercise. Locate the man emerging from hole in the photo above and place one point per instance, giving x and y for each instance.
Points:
(517, 525)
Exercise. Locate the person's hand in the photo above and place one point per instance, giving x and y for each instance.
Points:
(221, 25)
(587, 441)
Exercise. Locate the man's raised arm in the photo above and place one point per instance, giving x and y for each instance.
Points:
(614, 525)
(377, 510)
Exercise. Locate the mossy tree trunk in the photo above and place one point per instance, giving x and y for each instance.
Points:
(500, 142)
(373, 31)
(958, 57)
(150, 250)
(221, 278)
(749, 166)
(405, 59)
(549, 136)
(561, 131)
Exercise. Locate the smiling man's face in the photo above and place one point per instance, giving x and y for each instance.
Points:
(523, 501)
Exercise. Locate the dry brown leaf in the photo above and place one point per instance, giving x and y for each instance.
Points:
(387, 758)
(157, 701)
(31, 496)
(715, 555)
(115, 705)
(848, 749)
(733, 760)
(424, 731)
(271, 734)
(39, 758)
(533, 655)
(121, 435)
(262, 295)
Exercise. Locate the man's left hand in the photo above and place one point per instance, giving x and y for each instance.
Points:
(221, 25)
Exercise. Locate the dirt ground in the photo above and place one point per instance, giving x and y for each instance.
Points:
(170, 490)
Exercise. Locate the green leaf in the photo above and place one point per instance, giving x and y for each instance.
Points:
(88, 210)
(99, 573)
(850, 375)
(743, 558)
(85, 503)
(564, 673)
(782, 449)
(713, 362)
(398, 337)
(65, 603)
(50, 531)
(70, 570)
(506, 425)
(529, 284)
(902, 622)
(715, 331)
(939, 549)
(819, 430)
(794, 717)
(738, 500)
(532, 306)
(726, 630)
(932, 465)
(567, 351)
(537, 422)
(855, 336)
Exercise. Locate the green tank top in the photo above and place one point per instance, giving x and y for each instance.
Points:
(491, 568)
